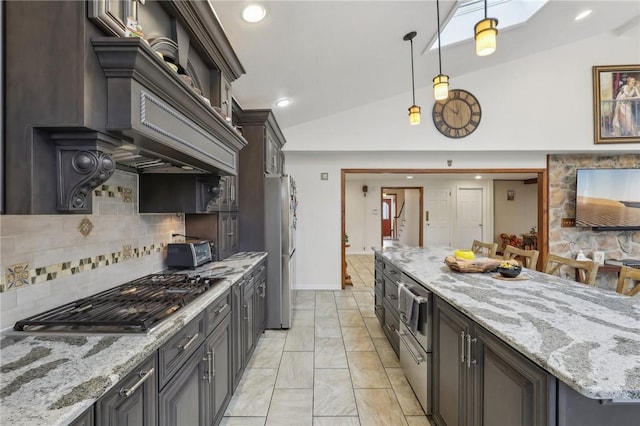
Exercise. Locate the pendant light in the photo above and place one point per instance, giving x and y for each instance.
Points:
(440, 81)
(414, 110)
(486, 33)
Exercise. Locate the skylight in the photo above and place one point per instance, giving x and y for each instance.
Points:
(508, 12)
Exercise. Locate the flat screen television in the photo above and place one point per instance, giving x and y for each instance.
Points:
(608, 199)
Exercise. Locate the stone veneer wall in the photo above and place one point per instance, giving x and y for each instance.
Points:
(562, 202)
(49, 260)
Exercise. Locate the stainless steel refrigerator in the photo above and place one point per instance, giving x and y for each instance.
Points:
(280, 242)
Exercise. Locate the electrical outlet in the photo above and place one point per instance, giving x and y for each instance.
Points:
(568, 222)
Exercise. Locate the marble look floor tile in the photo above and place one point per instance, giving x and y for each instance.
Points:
(300, 339)
(243, 421)
(378, 407)
(327, 311)
(305, 299)
(302, 318)
(336, 421)
(406, 398)
(386, 353)
(350, 318)
(417, 421)
(367, 371)
(253, 395)
(325, 298)
(357, 339)
(346, 303)
(330, 353)
(274, 334)
(375, 331)
(291, 407)
(267, 353)
(333, 393)
(296, 371)
(363, 297)
(368, 311)
(328, 328)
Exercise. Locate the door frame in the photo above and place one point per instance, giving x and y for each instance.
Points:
(543, 200)
(394, 197)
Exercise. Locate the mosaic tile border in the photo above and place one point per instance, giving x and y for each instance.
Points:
(115, 192)
(20, 274)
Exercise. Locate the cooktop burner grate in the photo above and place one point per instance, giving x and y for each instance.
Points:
(133, 307)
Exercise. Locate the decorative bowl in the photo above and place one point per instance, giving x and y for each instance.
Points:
(510, 271)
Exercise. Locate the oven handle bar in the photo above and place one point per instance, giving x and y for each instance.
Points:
(144, 375)
(417, 358)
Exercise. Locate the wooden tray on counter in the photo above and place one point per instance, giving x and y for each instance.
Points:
(479, 264)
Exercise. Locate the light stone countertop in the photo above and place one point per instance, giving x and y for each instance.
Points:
(587, 337)
(52, 379)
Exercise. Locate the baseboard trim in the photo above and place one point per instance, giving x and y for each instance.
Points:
(317, 287)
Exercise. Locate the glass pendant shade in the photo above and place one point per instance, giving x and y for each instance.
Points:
(486, 34)
(440, 87)
(414, 115)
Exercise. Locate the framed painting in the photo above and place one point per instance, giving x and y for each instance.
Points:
(616, 104)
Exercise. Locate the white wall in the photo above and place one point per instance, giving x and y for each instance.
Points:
(411, 229)
(515, 216)
(531, 107)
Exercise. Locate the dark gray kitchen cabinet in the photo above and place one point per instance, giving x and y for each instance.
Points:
(183, 401)
(218, 352)
(262, 155)
(201, 389)
(227, 195)
(227, 234)
(480, 380)
(220, 227)
(85, 419)
(236, 332)
(249, 305)
(390, 316)
(378, 286)
(133, 401)
(261, 299)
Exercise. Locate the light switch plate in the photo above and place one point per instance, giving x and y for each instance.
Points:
(324, 176)
(568, 222)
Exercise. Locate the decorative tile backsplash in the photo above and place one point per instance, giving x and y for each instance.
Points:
(20, 274)
(49, 260)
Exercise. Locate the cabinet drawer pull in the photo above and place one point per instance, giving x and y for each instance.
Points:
(217, 311)
(469, 342)
(462, 346)
(144, 375)
(189, 342)
(260, 269)
(392, 296)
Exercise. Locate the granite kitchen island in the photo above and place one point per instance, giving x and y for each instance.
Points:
(586, 339)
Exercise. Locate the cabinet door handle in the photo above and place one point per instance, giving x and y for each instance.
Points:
(246, 312)
(469, 341)
(462, 346)
(189, 342)
(144, 375)
(212, 368)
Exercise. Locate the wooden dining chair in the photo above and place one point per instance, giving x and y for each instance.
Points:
(585, 270)
(631, 274)
(479, 246)
(528, 258)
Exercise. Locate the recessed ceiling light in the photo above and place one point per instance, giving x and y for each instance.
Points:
(254, 13)
(409, 177)
(478, 177)
(185, 167)
(281, 103)
(583, 15)
(129, 147)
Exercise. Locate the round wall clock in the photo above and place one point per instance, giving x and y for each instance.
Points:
(458, 115)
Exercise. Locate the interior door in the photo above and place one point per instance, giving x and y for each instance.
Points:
(469, 220)
(386, 218)
(438, 217)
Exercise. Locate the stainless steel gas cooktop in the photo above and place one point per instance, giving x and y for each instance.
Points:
(133, 307)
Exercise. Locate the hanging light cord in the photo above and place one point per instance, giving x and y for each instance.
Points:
(413, 89)
(439, 54)
(485, 9)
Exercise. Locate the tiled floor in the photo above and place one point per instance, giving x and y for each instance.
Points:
(334, 366)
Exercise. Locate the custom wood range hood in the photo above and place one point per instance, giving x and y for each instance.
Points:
(108, 101)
